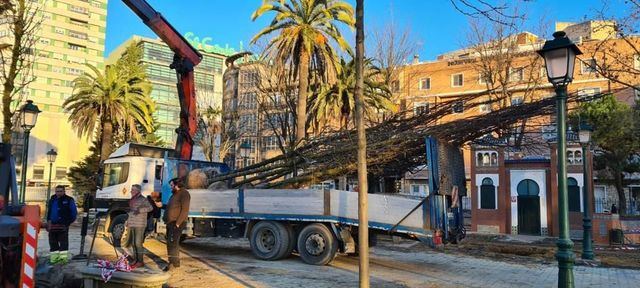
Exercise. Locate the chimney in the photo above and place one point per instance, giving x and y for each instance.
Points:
(416, 59)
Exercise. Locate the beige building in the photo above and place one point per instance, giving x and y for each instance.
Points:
(72, 33)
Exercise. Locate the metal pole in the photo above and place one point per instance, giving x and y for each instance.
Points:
(587, 248)
(23, 169)
(244, 164)
(46, 206)
(363, 206)
(564, 255)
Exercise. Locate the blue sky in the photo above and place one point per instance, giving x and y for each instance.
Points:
(434, 23)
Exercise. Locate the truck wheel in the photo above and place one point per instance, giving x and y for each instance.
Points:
(317, 245)
(119, 229)
(269, 240)
(286, 252)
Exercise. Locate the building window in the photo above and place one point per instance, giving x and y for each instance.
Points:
(588, 66)
(419, 190)
(588, 92)
(515, 101)
(78, 35)
(516, 74)
(528, 187)
(458, 106)
(61, 173)
(488, 197)
(58, 30)
(485, 108)
(636, 61)
(421, 108)
(76, 47)
(574, 194)
(457, 80)
(78, 9)
(487, 158)
(425, 83)
(270, 143)
(574, 157)
(484, 78)
(395, 86)
(38, 172)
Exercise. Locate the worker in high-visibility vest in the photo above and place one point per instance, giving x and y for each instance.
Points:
(62, 212)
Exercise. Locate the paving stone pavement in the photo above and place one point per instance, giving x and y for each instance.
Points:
(229, 263)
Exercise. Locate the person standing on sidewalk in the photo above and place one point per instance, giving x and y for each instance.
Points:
(152, 218)
(62, 212)
(137, 222)
(175, 217)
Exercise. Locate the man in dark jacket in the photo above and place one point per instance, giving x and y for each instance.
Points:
(175, 217)
(62, 212)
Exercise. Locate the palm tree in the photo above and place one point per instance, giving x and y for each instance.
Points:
(106, 100)
(303, 46)
(338, 100)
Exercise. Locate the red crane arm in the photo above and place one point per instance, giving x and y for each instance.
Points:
(185, 59)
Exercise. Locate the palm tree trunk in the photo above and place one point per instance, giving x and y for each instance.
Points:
(107, 134)
(363, 221)
(303, 87)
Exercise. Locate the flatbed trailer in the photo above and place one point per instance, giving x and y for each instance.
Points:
(317, 224)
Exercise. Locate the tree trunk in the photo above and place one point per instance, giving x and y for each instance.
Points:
(622, 198)
(363, 221)
(303, 87)
(9, 82)
(107, 134)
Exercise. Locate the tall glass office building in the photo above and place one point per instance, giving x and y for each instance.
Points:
(157, 57)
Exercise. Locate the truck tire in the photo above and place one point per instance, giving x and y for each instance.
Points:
(269, 240)
(317, 245)
(118, 229)
(286, 252)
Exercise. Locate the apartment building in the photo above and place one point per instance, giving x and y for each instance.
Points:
(71, 34)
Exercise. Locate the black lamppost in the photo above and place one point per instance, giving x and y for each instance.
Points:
(51, 157)
(559, 57)
(585, 137)
(245, 150)
(29, 117)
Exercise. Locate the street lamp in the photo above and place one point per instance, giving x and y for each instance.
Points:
(51, 157)
(245, 150)
(585, 137)
(29, 115)
(559, 56)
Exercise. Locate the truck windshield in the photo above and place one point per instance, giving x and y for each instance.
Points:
(115, 173)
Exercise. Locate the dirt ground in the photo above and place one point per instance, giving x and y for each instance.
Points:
(498, 247)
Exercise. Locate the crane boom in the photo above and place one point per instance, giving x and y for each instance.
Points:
(185, 59)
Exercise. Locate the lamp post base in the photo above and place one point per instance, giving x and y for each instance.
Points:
(587, 246)
(566, 259)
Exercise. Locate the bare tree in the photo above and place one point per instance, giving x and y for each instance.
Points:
(499, 13)
(504, 57)
(209, 124)
(16, 72)
(617, 56)
(392, 47)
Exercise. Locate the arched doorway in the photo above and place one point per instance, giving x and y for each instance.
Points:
(528, 207)
(574, 194)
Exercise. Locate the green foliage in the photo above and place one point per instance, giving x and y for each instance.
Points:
(303, 48)
(338, 99)
(115, 99)
(616, 137)
(616, 127)
(83, 175)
